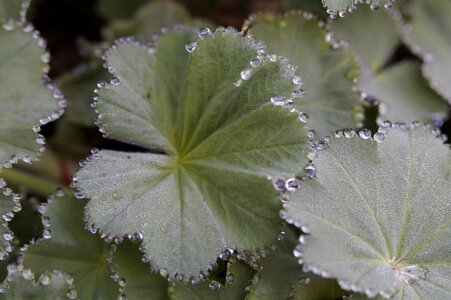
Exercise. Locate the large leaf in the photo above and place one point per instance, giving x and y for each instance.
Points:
(238, 278)
(342, 7)
(128, 265)
(400, 89)
(328, 73)
(21, 285)
(429, 34)
(9, 204)
(69, 248)
(281, 277)
(221, 135)
(25, 102)
(378, 214)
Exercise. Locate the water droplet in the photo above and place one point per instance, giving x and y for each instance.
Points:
(281, 236)
(101, 84)
(365, 133)
(136, 237)
(279, 184)
(72, 294)
(278, 100)
(272, 57)
(388, 5)
(27, 274)
(191, 46)
(9, 235)
(122, 283)
(80, 194)
(310, 171)
(292, 184)
(164, 272)
(230, 277)
(255, 62)
(46, 222)
(115, 80)
(214, 285)
(46, 234)
(246, 74)
(303, 117)
(311, 133)
(45, 279)
(349, 133)
(7, 217)
(379, 137)
(203, 32)
(297, 80)
(298, 93)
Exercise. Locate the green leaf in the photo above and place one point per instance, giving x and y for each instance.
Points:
(342, 7)
(118, 9)
(238, 278)
(24, 100)
(429, 35)
(315, 7)
(378, 214)
(281, 276)
(78, 87)
(140, 283)
(406, 95)
(221, 137)
(9, 205)
(400, 89)
(148, 20)
(328, 74)
(11, 9)
(51, 286)
(72, 250)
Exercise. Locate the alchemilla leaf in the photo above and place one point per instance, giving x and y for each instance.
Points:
(343, 7)
(378, 213)
(216, 127)
(9, 204)
(328, 72)
(26, 102)
(428, 33)
(66, 246)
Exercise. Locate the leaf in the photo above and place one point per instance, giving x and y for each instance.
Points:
(428, 34)
(9, 205)
(378, 214)
(238, 274)
(78, 87)
(51, 286)
(140, 283)
(11, 9)
(118, 9)
(406, 95)
(209, 190)
(24, 101)
(328, 73)
(342, 7)
(403, 100)
(72, 250)
(148, 20)
(281, 276)
(315, 7)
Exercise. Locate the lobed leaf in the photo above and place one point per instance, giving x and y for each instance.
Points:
(428, 34)
(24, 100)
(69, 248)
(328, 74)
(9, 205)
(378, 214)
(12, 10)
(220, 138)
(343, 7)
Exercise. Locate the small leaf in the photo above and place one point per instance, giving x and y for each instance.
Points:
(221, 137)
(281, 276)
(327, 73)
(429, 35)
(378, 214)
(24, 100)
(51, 286)
(238, 274)
(140, 283)
(342, 7)
(405, 94)
(68, 247)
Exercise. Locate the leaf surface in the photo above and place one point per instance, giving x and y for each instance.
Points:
(327, 73)
(209, 189)
(378, 214)
(72, 250)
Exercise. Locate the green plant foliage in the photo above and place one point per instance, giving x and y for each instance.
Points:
(140, 283)
(238, 278)
(119, 9)
(23, 64)
(403, 93)
(343, 7)
(212, 126)
(66, 246)
(20, 284)
(428, 33)
(9, 205)
(11, 9)
(315, 7)
(281, 277)
(328, 73)
(378, 214)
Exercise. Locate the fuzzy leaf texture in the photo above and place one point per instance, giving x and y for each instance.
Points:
(378, 214)
(429, 35)
(343, 7)
(221, 137)
(71, 249)
(327, 73)
(24, 100)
